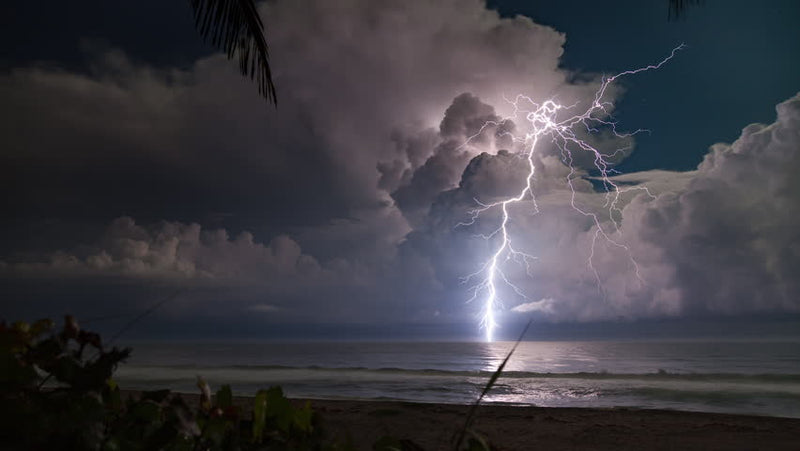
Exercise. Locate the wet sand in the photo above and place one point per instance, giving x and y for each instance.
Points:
(433, 426)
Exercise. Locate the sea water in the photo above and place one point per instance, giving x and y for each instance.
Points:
(747, 377)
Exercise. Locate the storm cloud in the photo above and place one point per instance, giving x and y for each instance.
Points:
(347, 199)
(722, 239)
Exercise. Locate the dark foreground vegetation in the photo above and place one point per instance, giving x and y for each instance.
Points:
(57, 392)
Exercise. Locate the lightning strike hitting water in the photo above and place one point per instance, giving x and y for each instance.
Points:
(543, 121)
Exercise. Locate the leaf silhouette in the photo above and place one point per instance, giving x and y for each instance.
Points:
(235, 27)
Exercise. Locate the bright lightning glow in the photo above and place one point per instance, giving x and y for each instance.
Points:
(544, 122)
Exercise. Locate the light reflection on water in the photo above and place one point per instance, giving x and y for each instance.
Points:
(541, 357)
(734, 377)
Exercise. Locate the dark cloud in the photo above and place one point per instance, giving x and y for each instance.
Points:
(462, 131)
(129, 139)
(361, 83)
(195, 145)
(345, 203)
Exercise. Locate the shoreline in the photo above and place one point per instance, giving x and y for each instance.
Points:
(506, 427)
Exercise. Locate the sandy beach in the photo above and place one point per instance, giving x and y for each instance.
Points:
(526, 428)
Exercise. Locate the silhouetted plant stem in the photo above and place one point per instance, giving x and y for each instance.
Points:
(492, 380)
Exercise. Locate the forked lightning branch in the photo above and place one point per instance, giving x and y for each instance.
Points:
(557, 123)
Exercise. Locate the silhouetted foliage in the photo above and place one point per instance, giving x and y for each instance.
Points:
(57, 392)
(677, 8)
(235, 27)
(69, 413)
(476, 442)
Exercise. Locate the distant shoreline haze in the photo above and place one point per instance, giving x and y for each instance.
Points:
(783, 327)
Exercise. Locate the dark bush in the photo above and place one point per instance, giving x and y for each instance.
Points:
(57, 392)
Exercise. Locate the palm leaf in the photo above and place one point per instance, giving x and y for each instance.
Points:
(235, 27)
(678, 7)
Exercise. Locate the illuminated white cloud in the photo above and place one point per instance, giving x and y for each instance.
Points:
(360, 177)
(186, 253)
(543, 305)
(719, 240)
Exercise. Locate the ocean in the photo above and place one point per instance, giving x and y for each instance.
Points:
(744, 377)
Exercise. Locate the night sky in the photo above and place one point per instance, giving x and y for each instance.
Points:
(137, 164)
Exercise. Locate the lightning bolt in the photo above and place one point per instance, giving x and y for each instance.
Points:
(544, 122)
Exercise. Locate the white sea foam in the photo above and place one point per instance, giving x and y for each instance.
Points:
(735, 377)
